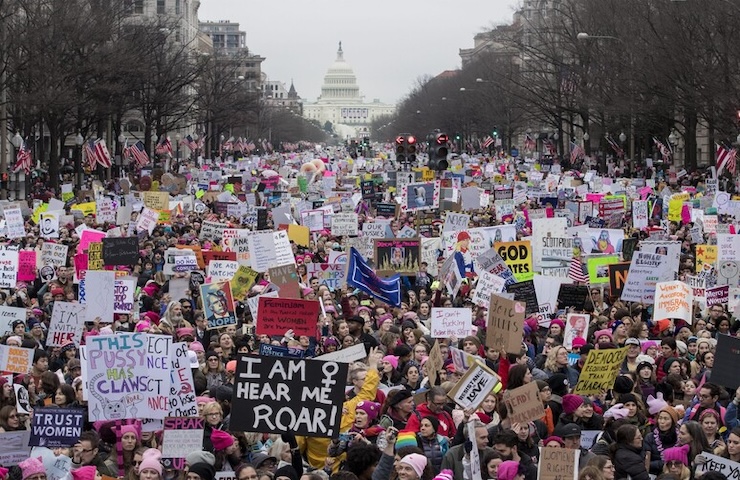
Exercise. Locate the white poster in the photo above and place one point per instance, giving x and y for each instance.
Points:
(67, 324)
(344, 224)
(148, 220)
(451, 322)
(14, 222)
(645, 271)
(54, 254)
(222, 270)
(49, 225)
(8, 268)
(100, 295)
(8, 315)
(488, 283)
(640, 215)
(182, 391)
(672, 300)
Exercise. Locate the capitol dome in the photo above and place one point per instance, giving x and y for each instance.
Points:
(340, 82)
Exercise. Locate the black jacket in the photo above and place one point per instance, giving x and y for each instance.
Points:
(630, 463)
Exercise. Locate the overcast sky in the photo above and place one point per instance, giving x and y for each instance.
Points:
(389, 43)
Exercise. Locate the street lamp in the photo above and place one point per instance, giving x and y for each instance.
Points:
(121, 142)
(585, 36)
(17, 142)
(622, 137)
(177, 139)
(673, 138)
(79, 140)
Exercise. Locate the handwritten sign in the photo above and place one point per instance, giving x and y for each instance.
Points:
(600, 371)
(448, 322)
(54, 254)
(558, 464)
(472, 388)
(120, 251)
(714, 463)
(15, 359)
(278, 315)
(26, 266)
(182, 391)
(222, 270)
(673, 300)
(505, 324)
(8, 315)
(523, 404)
(181, 436)
(8, 268)
(67, 324)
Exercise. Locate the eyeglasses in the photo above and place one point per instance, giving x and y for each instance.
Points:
(13, 415)
(86, 450)
(214, 414)
(704, 396)
(136, 462)
(674, 463)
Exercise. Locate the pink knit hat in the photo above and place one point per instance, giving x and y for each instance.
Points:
(571, 403)
(371, 408)
(508, 470)
(221, 440)
(680, 454)
(197, 347)
(134, 428)
(84, 473)
(31, 466)
(151, 461)
(415, 461)
(392, 359)
(606, 332)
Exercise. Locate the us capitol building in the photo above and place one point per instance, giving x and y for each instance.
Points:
(341, 104)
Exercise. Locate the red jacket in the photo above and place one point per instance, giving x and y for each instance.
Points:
(446, 425)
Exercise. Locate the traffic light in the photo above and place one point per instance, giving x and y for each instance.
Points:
(438, 150)
(411, 149)
(401, 148)
(353, 149)
(494, 134)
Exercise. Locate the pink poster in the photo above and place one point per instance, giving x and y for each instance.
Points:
(26, 266)
(87, 237)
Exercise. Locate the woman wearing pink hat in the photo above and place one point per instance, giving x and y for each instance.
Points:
(414, 467)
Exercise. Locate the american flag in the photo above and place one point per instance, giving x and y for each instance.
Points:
(529, 144)
(102, 155)
(576, 151)
(164, 146)
(189, 142)
(251, 146)
(725, 159)
(24, 159)
(488, 141)
(575, 271)
(615, 146)
(239, 145)
(90, 154)
(665, 151)
(138, 152)
(228, 144)
(551, 148)
(202, 141)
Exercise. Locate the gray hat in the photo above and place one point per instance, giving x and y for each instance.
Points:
(200, 457)
(568, 430)
(259, 458)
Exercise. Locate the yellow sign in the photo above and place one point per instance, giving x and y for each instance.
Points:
(518, 256)
(674, 210)
(165, 217)
(299, 234)
(95, 256)
(199, 194)
(88, 208)
(706, 257)
(242, 281)
(36, 215)
(600, 371)
(157, 200)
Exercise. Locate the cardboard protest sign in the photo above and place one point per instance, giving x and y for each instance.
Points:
(726, 356)
(286, 278)
(56, 427)
(278, 315)
(518, 256)
(523, 404)
(673, 300)
(218, 304)
(448, 322)
(344, 224)
(600, 371)
(472, 388)
(129, 376)
(120, 251)
(8, 315)
(398, 256)
(182, 391)
(15, 359)
(724, 466)
(8, 268)
(558, 464)
(505, 324)
(67, 324)
(274, 394)
(181, 436)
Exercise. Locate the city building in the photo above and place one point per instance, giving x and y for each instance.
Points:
(276, 95)
(229, 41)
(342, 104)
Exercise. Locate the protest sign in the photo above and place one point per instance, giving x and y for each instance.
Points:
(283, 351)
(718, 295)
(398, 256)
(15, 359)
(54, 254)
(345, 355)
(120, 251)
(344, 224)
(572, 296)
(218, 304)
(523, 404)
(286, 278)
(57, 468)
(332, 275)
(181, 436)
(26, 266)
(726, 357)
(706, 257)
(488, 284)
(714, 463)
(490, 261)
(129, 376)
(8, 315)
(598, 268)
(618, 277)
(222, 270)
(89, 236)
(518, 256)
(67, 324)
(157, 200)
(49, 225)
(8, 268)
(576, 326)
(278, 315)
(455, 222)
(14, 447)
(242, 281)
(123, 296)
(100, 292)
(645, 271)
(14, 222)
(94, 256)
(274, 394)
(212, 230)
(214, 255)
(472, 388)
(182, 391)
(527, 293)
(451, 322)
(600, 371)
(237, 241)
(673, 300)
(505, 324)
(56, 427)
(558, 463)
